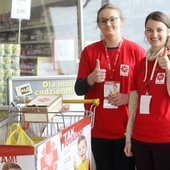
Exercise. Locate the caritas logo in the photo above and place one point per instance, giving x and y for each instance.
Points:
(50, 157)
(44, 99)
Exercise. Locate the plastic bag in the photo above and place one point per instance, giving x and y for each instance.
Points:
(18, 136)
(37, 139)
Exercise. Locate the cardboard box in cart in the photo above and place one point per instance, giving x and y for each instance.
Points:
(49, 104)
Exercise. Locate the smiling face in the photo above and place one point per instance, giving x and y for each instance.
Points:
(156, 33)
(112, 23)
(82, 149)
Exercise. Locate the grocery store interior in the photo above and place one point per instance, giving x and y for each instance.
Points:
(58, 30)
(40, 47)
(45, 37)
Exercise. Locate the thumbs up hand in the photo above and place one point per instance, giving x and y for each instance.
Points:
(163, 60)
(98, 75)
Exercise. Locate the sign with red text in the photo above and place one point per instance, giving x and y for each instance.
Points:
(74, 138)
(49, 154)
(24, 156)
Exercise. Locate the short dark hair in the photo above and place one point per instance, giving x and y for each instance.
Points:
(9, 165)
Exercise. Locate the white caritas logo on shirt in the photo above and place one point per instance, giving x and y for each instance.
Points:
(160, 78)
(124, 70)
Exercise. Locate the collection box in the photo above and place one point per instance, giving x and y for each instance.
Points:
(42, 108)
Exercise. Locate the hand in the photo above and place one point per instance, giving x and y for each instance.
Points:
(164, 61)
(98, 75)
(127, 149)
(119, 99)
(24, 125)
(65, 107)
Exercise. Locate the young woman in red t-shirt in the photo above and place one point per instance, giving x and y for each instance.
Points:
(102, 64)
(149, 107)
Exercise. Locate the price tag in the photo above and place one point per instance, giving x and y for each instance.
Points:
(21, 9)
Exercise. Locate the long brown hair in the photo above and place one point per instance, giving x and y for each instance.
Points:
(161, 17)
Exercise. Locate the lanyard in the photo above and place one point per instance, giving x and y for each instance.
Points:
(112, 69)
(153, 70)
(146, 74)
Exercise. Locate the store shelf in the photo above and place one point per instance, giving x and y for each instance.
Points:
(36, 42)
(24, 28)
(36, 37)
(29, 57)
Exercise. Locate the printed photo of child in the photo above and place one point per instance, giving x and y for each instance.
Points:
(11, 166)
(114, 89)
(82, 151)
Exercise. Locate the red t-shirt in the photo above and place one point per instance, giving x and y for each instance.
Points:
(109, 123)
(155, 126)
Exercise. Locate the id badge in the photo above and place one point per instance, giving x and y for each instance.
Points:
(145, 104)
(110, 88)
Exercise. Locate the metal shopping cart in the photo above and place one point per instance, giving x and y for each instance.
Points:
(45, 133)
(8, 115)
(39, 130)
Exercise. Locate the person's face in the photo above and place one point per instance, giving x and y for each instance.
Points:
(82, 148)
(110, 27)
(156, 33)
(114, 87)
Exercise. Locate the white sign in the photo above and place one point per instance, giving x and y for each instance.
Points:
(26, 162)
(64, 50)
(21, 9)
(45, 67)
(49, 156)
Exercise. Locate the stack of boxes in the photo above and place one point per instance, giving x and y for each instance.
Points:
(9, 66)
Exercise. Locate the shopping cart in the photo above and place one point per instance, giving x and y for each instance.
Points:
(9, 115)
(39, 130)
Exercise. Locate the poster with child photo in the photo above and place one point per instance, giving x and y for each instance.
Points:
(76, 146)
